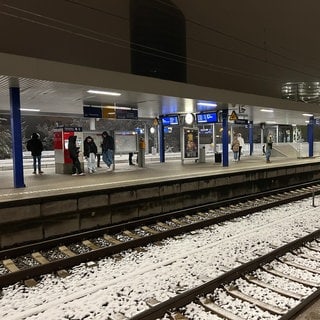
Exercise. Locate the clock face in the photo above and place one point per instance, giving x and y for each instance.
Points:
(189, 118)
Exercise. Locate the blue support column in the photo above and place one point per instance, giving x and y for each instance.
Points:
(251, 137)
(161, 142)
(310, 135)
(225, 142)
(16, 137)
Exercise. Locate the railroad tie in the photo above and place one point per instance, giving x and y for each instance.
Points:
(292, 278)
(11, 266)
(265, 306)
(164, 225)
(39, 258)
(192, 218)
(178, 222)
(65, 250)
(202, 215)
(111, 239)
(148, 229)
(131, 234)
(209, 305)
(42, 260)
(284, 292)
(313, 247)
(90, 245)
(177, 316)
(152, 302)
(306, 256)
(298, 266)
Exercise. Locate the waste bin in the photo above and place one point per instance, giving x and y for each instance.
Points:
(217, 157)
(202, 158)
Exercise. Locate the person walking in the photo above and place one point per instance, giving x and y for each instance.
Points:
(90, 152)
(268, 148)
(235, 148)
(36, 147)
(74, 155)
(241, 145)
(107, 149)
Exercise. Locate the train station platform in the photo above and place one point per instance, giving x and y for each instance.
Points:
(124, 175)
(56, 204)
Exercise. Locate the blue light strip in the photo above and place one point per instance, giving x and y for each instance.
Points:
(225, 149)
(251, 137)
(310, 135)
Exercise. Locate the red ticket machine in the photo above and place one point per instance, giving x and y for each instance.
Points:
(63, 162)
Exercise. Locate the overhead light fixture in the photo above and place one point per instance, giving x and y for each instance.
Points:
(266, 110)
(307, 114)
(207, 104)
(117, 107)
(107, 93)
(32, 110)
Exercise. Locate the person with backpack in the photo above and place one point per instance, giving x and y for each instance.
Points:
(90, 153)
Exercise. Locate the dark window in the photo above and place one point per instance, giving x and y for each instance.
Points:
(158, 40)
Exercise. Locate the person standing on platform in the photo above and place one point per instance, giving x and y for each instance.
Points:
(36, 147)
(107, 149)
(235, 148)
(90, 152)
(99, 153)
(241, 145)
(74, 155)
(268, 148)
(130, 159)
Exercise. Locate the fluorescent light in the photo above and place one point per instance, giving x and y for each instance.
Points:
(108, 93)
(307, 114)
(266, 110)
(33, 110)
(206, 104)
(270, 122)
(117, 107)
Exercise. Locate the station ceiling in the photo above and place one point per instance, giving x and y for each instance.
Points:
(65, 92)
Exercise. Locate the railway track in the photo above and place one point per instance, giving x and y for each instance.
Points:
(278, 285)
(28, 262)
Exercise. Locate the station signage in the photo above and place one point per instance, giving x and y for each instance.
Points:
(110, 112)
(241, 121)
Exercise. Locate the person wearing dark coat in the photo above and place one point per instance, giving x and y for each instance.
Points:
(36, 147)
(107, 149)
(90, 152)
(74, 155)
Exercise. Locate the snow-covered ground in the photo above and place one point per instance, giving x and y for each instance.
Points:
(115, 286)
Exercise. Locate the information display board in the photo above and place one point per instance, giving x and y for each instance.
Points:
(170, 120)
(208, 117)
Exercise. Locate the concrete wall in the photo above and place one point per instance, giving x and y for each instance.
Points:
(43, 218)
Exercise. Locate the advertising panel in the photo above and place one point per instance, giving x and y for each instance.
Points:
(190, 143)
